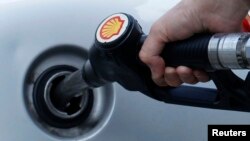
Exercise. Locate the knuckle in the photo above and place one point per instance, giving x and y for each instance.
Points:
(201, 76)
(156, 27)
(170, 71)
(144, 57)
(181, 70)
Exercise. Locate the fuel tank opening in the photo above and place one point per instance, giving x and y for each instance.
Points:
(73, 106)
(85, 115)
(46, 104)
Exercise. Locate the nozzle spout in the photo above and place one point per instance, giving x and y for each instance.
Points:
(71, 86)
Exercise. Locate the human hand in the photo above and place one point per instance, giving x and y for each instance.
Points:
(185, 19)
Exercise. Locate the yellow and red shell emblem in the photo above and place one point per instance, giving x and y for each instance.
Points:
(111, 27)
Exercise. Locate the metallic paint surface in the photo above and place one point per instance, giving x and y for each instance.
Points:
(28, 27)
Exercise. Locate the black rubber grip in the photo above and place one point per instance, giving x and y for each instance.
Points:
(192, 52)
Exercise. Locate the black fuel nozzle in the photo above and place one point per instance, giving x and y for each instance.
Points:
(103, 65)
(114, 57)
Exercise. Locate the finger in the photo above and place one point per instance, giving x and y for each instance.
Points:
(201, 75)
(149, 54)
(186, 75)
(171, 77)
(157, 70)
(157, 67)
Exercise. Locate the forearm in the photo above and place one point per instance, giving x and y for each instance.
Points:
(243, 4)
(215, 13)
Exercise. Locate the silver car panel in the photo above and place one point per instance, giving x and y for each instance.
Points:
(29, 27)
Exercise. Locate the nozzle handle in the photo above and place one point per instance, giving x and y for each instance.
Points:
(192, 52)
(114, 57)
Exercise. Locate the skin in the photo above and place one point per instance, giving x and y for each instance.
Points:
(189, 17)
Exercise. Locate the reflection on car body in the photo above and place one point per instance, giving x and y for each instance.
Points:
(29, 29)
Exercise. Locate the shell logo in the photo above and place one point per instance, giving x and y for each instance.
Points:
(246, 23)
(112, 28)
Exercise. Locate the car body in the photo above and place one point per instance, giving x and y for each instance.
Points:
(30, 27)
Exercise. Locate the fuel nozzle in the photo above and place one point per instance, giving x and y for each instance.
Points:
(71, 86)
(114, 57)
